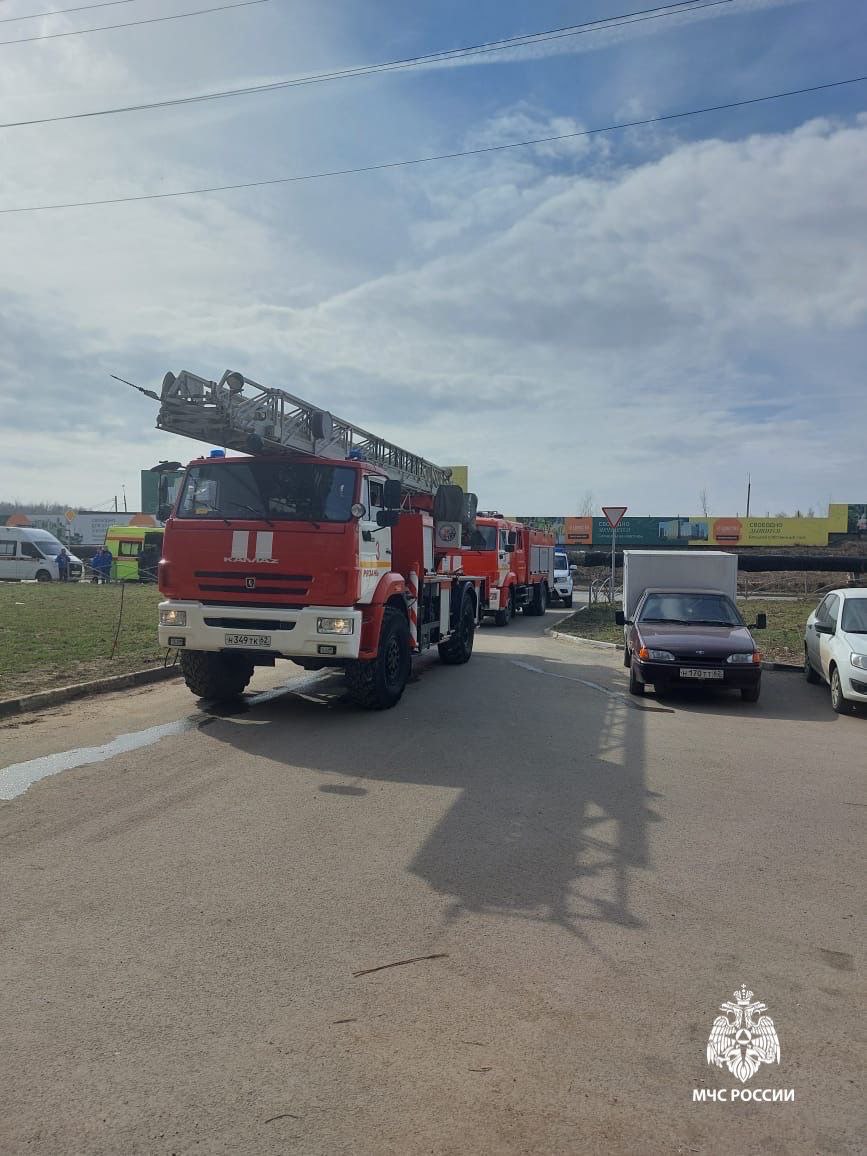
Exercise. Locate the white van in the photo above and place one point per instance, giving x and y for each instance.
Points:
(29, 553)
(563, 585)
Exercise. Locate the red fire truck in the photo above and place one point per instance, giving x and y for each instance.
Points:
(517, 564)
(326, 545)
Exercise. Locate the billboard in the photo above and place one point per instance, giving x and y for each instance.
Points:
(81, 529)
(697, 530)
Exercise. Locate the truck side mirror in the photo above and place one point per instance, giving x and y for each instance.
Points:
(387, 517)
(619, 618)
(573, 569)
(761, 621)
(391, 495)
(509, 547)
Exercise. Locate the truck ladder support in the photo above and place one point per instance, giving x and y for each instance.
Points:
(242, 415)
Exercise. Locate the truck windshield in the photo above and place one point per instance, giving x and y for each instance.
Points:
(690, 610)
(480, 538)
(273, 490)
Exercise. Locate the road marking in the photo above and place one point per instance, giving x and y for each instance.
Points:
(632, 703)
(569, 678)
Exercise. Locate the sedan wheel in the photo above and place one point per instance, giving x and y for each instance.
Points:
(838, 702)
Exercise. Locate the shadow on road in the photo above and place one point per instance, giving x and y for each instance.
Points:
(551, 812)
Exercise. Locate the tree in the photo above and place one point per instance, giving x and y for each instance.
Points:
(587, 505)
(703, 501)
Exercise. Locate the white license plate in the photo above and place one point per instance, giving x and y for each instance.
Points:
(698, 672)
(257, 641)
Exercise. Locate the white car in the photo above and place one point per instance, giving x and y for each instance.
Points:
(563, 585)
(835, 646)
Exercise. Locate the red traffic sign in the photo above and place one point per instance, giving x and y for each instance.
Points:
(614, 515)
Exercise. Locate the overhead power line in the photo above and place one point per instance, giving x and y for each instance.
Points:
(529, 39)
(134, 23)
(474, 152)
(61, 11)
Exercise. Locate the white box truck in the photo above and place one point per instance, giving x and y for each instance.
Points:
(694, 569)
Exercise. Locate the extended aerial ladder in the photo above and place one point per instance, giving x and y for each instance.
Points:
(242, 415)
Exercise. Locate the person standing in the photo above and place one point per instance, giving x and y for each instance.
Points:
(63, 565)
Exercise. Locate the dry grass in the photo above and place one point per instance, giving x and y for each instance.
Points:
(53, 634)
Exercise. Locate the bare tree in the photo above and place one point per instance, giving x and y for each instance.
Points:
(703, 500)
(587, 505)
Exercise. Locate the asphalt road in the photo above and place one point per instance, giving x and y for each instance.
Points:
(183, 919)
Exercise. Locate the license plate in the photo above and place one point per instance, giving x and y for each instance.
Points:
(257, 641)
(698, 672)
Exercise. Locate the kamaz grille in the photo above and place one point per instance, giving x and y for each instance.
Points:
(269, 624)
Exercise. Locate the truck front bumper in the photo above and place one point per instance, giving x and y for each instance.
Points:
(562, 589)
(286, 633)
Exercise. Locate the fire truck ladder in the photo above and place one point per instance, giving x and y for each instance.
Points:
(242, 415)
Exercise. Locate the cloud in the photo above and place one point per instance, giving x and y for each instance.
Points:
(561, 318)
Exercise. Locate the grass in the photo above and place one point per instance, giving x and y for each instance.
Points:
(53, 634)
(783, 641)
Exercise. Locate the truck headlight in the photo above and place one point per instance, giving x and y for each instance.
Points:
(746, 659)
(859, 660)
(660, 655)
(335, 626)
(173, 618)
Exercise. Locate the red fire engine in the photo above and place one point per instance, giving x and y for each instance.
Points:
(327, 545)
(516, 562)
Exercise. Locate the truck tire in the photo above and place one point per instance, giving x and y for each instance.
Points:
(567, 602)
(458, 649)
(215, 675)
(43, 576)
(377, 684)
(504, 617)
(539, 602)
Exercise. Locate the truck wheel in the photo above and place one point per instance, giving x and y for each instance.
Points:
(567, 602)
(378, 684)
(540, 600)
(504, 617)
(43, 576)
(213, 675)
(460, 646)
(635, 687)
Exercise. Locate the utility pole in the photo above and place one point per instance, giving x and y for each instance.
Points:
(124, 498)
(749, 487)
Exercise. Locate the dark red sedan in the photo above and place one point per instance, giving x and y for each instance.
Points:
(691, 638)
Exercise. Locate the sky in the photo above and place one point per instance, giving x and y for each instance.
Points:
(638, 315)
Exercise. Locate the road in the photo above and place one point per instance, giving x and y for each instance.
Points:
(183, 919)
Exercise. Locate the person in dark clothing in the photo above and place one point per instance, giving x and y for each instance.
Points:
(63, 565)
(101, 565)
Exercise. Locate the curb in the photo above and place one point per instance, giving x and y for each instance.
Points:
(577, 638)
(60, 694)
(554, 633)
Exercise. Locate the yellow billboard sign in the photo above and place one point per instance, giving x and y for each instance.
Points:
(759, 532)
